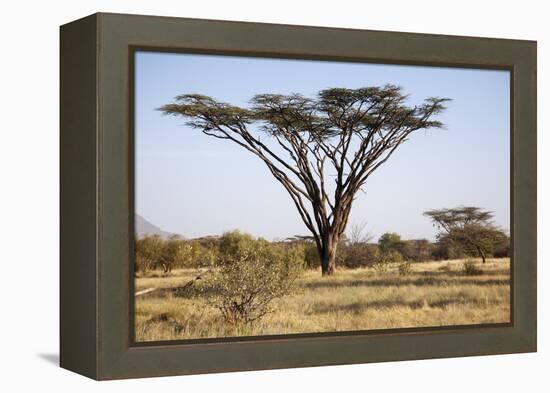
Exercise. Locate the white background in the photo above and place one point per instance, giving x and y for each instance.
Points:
(29, 165)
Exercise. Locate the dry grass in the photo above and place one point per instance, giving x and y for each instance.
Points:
(435, 294)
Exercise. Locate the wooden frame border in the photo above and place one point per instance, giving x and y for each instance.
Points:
(97, 195)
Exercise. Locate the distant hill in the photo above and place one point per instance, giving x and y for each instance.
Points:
(144, 227)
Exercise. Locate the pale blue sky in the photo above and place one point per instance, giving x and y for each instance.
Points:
(195, 185)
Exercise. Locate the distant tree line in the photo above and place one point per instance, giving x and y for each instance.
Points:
(390, 247)
(153, 252)
(356, 250)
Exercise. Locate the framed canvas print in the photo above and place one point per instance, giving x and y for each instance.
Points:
(241, 196)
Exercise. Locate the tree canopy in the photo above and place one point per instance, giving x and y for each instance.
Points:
(469, 226)
(341, 134)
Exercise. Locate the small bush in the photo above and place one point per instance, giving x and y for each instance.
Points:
(418, 250)
(471, 269)
(360, 255)
(385, 259)
(405, 269)
(311, 256)
(169, 255)
(389, 242)
(250, 275)
(395, 256)
(148, 251)
(382, 264)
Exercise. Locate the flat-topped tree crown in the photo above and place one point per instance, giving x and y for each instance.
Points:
(345, 134)
(469, 226)
(459, 217)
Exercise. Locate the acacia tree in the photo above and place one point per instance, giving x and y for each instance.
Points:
(469, 226)
(322, 149)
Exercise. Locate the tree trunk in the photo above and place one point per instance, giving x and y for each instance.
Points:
(481, 253)
(327, 254)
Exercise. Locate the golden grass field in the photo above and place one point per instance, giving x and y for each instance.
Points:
(435, 294)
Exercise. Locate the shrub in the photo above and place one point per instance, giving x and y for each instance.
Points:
(419, 250)
(471, 269)
(148, 252)
(306, 248)
(169, 255)
(209, 255)
(193, 254)
(405, 269)
(395, 256)
(234, 243)
(250, 275)
(360, 255)
(172, 254)
(385, 259)
(184, 254)
(152, 252)
(382, 264)
(305, 252)
(390, 241)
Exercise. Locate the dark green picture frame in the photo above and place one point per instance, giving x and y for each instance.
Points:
(97, 195)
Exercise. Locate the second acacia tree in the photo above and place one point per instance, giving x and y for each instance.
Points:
(322, 149)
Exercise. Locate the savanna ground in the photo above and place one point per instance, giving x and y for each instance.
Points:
(434, 294)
